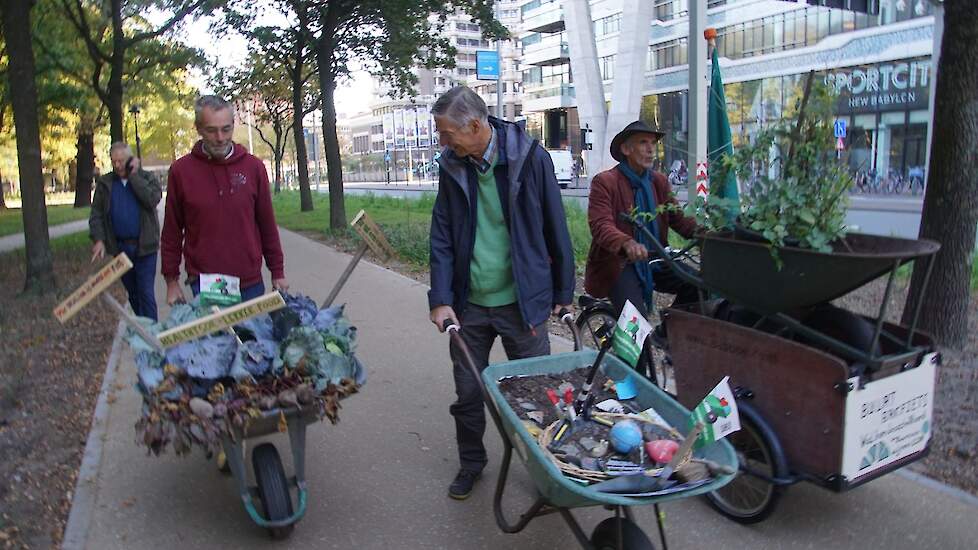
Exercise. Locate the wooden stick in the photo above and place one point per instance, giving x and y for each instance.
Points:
(684, 449)
(361, 250)
(373, 238)
(131, 320)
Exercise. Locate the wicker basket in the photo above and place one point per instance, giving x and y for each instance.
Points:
(547, 435)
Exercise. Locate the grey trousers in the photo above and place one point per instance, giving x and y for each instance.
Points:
(480, 327)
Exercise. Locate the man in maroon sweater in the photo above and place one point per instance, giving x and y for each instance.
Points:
(617, 263)
(219, 215)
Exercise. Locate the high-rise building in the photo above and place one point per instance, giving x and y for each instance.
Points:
(880, 66)
(400, 129)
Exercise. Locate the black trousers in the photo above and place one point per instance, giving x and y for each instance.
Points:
(629, 287)
(480, 327)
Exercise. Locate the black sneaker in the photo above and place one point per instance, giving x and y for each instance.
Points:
(461, 488)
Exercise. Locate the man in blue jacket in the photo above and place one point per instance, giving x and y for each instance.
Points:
(501, 256)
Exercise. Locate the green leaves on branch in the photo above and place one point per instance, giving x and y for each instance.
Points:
(794, 191)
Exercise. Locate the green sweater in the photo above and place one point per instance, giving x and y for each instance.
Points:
(491, 272)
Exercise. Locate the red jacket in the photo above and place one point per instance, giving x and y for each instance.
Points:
(219, 217)
(611, 194)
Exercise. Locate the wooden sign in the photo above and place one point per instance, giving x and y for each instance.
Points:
(93, 287)
(222, 319)
(372, 235)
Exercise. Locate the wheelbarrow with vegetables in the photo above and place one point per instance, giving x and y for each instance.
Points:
(215, 378)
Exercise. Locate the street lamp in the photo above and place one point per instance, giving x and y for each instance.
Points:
(134, 110)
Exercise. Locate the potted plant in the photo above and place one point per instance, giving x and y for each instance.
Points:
(794, 191)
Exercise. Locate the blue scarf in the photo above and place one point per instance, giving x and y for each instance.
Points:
(645, 202)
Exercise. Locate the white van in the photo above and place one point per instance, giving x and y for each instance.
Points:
(563, 166)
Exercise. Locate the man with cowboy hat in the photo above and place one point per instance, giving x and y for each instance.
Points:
(617, 263)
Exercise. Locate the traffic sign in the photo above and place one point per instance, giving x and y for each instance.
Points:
(840, 144)
(486, 65)
(840, 128)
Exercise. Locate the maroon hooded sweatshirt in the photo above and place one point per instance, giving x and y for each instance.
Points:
(219, 217)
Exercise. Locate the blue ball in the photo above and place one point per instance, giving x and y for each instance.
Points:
(625, 436)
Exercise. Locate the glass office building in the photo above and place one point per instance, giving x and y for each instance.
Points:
(879, 66)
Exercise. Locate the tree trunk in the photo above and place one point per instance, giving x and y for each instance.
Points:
(23, 98)
(3, 205)
(299, 141)
(278, 153)
(278, 172)
(950, 211)
(85, 167)
(334, 168)
(116, 69)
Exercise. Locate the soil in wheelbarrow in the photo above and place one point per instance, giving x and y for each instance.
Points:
(527, 397)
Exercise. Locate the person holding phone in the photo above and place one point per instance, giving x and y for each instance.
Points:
(123, 219)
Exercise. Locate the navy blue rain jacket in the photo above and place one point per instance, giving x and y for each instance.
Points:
(543, 259)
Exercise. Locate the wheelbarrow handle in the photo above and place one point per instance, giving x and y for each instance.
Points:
(465, 357)
(567, 317)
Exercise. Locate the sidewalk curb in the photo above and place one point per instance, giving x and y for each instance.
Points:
(939, 486)
(83, 502)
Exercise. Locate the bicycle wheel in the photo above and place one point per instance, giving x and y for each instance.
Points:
(749, 499)
(589, 322)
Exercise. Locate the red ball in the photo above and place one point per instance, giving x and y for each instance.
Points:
(661, 450)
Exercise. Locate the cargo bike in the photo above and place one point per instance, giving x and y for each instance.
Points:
(825, 395)
(557, 493)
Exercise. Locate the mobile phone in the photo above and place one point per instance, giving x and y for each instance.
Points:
(128, 166)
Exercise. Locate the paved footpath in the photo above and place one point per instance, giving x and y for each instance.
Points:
(13, 242)
(378, 479)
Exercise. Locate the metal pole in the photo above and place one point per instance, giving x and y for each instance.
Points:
(499, 74)
(251, 144)
(696, 104)
(134, 110)
(315, 151)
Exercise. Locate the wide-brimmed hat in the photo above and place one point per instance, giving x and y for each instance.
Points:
(637, 127)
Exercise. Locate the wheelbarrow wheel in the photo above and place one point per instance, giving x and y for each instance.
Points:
(750, 499)
(273, 488)
(605, 536)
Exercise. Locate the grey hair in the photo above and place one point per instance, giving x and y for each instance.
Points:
(461, 105)
(120, 146)
(212, 102)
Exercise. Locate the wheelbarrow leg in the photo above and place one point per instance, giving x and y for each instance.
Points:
(660, 517)
(497, 501)
(576, 529)
(297, 441)
(234, 452)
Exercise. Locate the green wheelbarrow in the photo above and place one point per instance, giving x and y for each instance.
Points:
(558, 493)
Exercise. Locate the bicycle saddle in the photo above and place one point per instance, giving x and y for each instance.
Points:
(588, 301)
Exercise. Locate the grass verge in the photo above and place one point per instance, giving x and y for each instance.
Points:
(11, 221)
